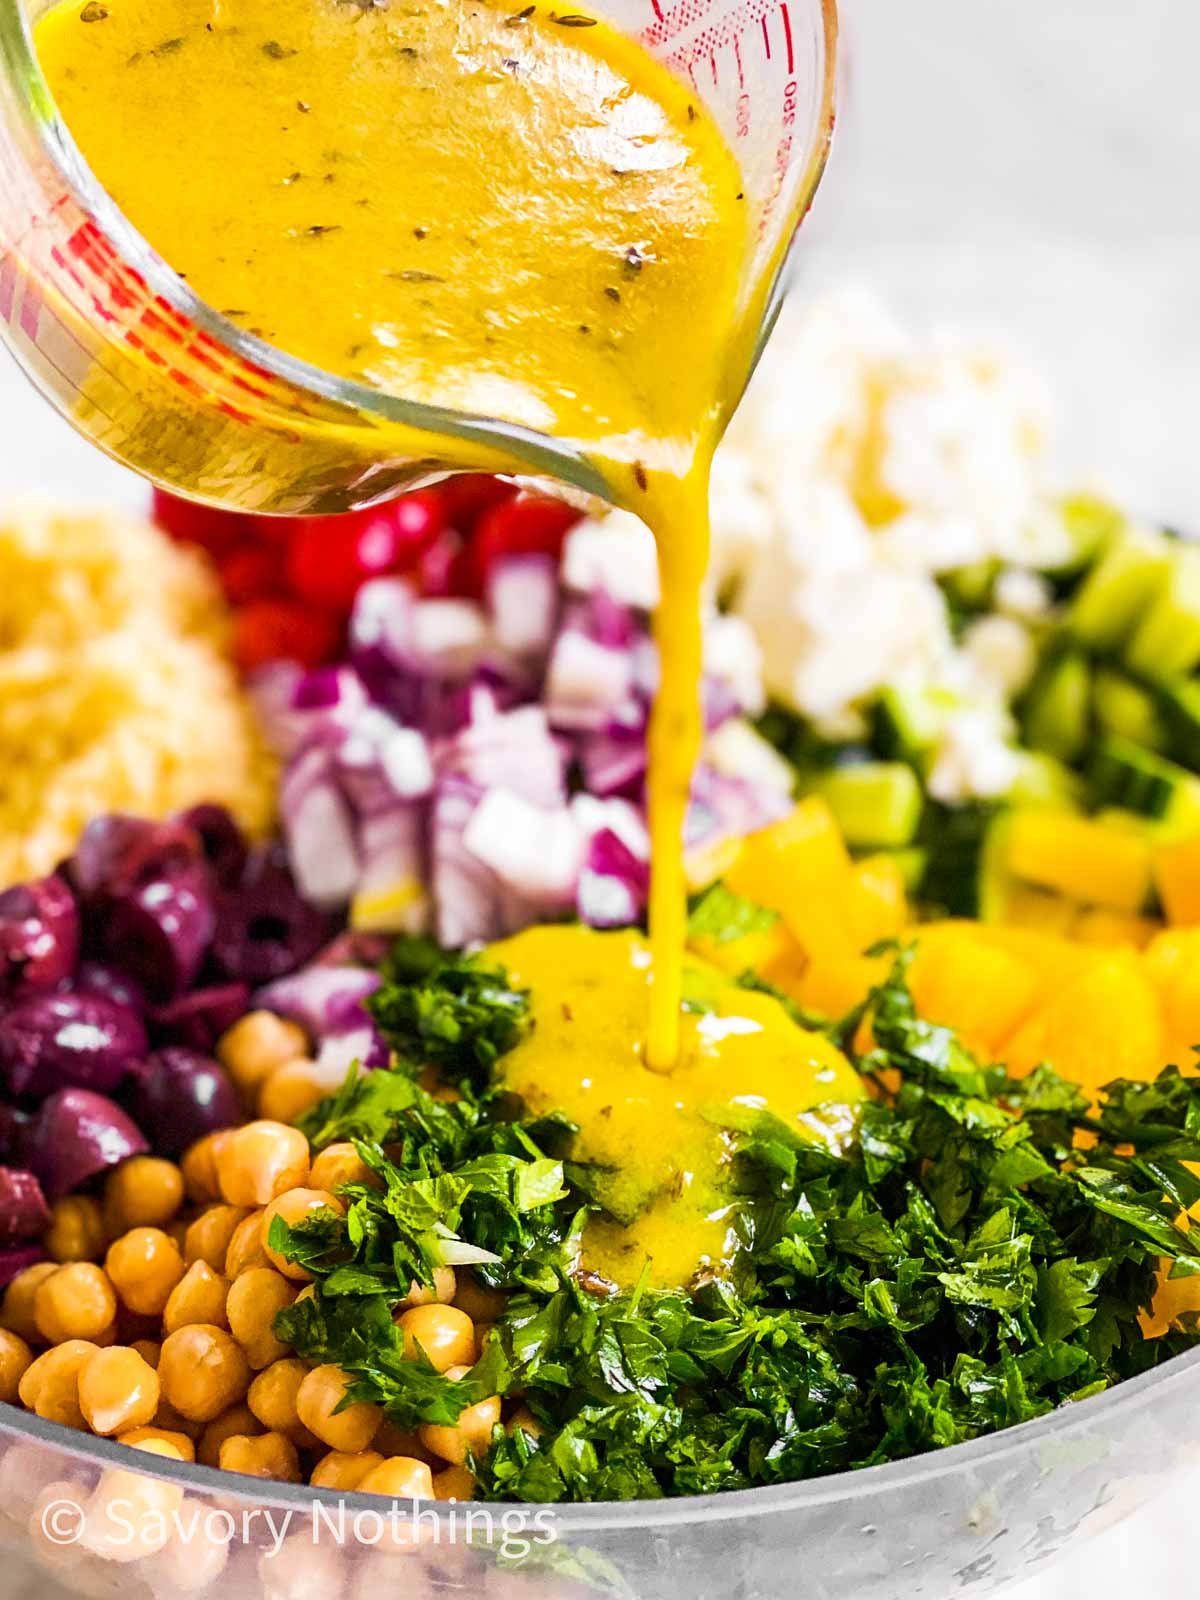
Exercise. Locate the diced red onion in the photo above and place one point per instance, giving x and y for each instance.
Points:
(319, 828)
(535, 851)
(523, 598)
(322, 999)
(586, 683)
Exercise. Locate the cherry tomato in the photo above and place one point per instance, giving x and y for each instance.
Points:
(466, 497)
(418, 518)
(332, 557)
(284, 630)
(218, 532)
(444, 568)
(528, 525)
(251, 573)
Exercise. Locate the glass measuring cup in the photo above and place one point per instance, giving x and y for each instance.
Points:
(122, 347)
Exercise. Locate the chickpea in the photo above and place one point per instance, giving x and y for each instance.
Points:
(394, 1441)
(443, 1334)
(144, 1266)
(149, 1349)
(455, 1483)
(50, 1387)
(237, 1420)
(209, 1235)
(441, 1293)
(401, 1478)
(16, 1310)
(60, 1560)
(272, 1396)
(202, 1371)
(470, 1435)
(124, 1500)
(303, 1569)
(344, 1470)
(143, 1192)
(187, 1564)
(199, 1296)
(177, 1441)
(246, 1247)
(257, 1045)
(322, 1391)
(168, 1420)
(295, 1206)
(198, 1168)
(76, 1302)
(77, 1231)
(292, 1090)
(117, 1391)
(260, 1161)
(270, 1455)
(479, 1302)
(338, 1165)
(16, 1358)
(525, 1420)
(255, 1299)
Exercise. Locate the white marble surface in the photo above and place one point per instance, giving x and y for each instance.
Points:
(1026, 167)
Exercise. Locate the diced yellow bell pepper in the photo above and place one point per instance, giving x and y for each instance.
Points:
(961, 980)
(1037, 909)
(1106, 1023)
(1100, 926)
(1082, 858)
(877, 902)
(1172, 964)
(1177, 879)
(1173, 1298)
(704, 866)
(833, 985)
(799, 867)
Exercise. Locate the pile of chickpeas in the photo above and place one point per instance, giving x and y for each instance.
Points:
(152, 1321)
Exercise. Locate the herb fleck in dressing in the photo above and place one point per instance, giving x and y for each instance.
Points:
(575, 188)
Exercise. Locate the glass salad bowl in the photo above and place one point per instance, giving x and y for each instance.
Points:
(967, 1519)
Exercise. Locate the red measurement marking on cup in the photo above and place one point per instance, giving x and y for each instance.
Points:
(787, 34)
(737, 56)
(766, 37)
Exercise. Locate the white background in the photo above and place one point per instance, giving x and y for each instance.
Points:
(1024, 167)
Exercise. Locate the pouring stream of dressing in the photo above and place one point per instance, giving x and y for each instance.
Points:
(519, 214)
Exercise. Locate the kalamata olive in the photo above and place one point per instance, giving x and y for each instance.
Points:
(200, 1018)
(54, 1041)
(160, 931)
(223, 843)
(12, 1134)
(24, 1213)
(18, 1259)
(179, 1095)
(265, 929)
(77, 1134)
(117, 855)
(101, 977)
(39, 936)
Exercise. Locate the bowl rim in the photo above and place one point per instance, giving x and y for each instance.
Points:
(597, 1516)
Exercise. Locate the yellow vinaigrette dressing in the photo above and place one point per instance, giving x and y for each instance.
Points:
(503, 209)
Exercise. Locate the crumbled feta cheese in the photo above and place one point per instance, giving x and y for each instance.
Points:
(974, 757)
(1002, 652)
(732, 655)
(1021, 593)
(614, 552)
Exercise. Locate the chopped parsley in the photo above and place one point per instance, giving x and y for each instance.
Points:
(980, 1257)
